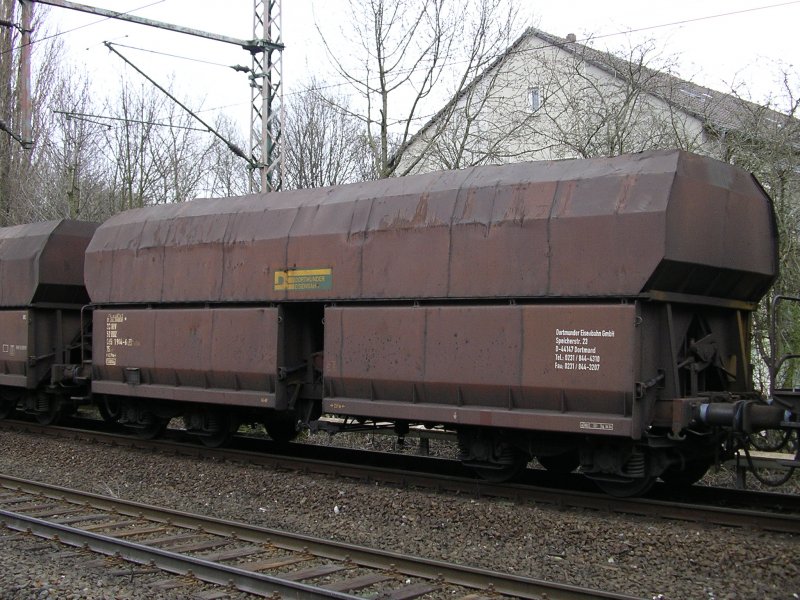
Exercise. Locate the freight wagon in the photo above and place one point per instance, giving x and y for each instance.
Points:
(591, 313)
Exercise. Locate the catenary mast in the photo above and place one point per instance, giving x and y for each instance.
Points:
(266, 115)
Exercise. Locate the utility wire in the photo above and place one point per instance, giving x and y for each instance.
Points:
(178, 56)
(60, 33)
(88, 116)
(515, 52)
(508, 53)
(696, 19)
(231, 146)
(590, 38)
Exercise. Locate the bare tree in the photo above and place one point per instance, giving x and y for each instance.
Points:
(31, 178)
(181, 155)
(469, 135)
(157, 152)
(603, 104)
(324, 143)
(765, 139)
(405, 50)
(86, 167)
(227, 173)
(8, 40)
(15, 155)
(71, 168)
(93, 158)
(483, 124)
(134, 177)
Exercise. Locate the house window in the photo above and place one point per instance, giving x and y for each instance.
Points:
(534, 99)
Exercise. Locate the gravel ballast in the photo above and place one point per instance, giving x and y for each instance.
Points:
(639, 556)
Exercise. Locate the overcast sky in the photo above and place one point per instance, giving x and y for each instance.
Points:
(715, 48)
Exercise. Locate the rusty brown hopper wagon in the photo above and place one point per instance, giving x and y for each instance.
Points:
(570, 309)
(41, 295)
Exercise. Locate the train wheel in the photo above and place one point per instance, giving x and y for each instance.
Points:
(8, 403)
(48, 411)
(631, 473)
(691, 473)
(495, 473)
(7, 408)
(281, 427)
(513, 462)
(490, 455)
(150, 430)
(218, 439)
(219, 429)
(109, 409)
(561, 463)
(625, 488)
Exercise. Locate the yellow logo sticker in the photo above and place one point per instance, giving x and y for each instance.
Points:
(304, 279)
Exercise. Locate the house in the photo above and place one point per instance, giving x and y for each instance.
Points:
(548, 97)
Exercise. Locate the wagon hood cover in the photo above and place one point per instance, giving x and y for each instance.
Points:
(665, 221)
(43, 262)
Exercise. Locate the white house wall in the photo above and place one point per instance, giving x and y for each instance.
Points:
(503, 129)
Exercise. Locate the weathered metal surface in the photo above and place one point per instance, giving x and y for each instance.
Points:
(14, 340)
(537, 420)
(43, 263)
(223, 355)
(31, 341)
(719, 218)
(508, 366)
(658, 221)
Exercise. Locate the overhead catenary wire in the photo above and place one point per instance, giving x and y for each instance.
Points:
(231, 146)
(697, 19)
(451, 63)
(590, 38)
(446, 63)
(88, 116)
(544, 46)
(519, 51)
(60, 33)
(178, 56)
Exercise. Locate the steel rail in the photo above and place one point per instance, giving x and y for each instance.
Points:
(470, 577)
(441, 480)
(171, 562)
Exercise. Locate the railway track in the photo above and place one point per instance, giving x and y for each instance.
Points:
(255, 560)
(701, 504)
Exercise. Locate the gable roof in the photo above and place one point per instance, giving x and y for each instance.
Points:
(718, 111)
(712, 107)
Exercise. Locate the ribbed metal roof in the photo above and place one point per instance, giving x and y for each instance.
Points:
(623, 226)
(43, 262)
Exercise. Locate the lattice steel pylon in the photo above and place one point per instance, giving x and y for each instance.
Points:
(266, 112)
